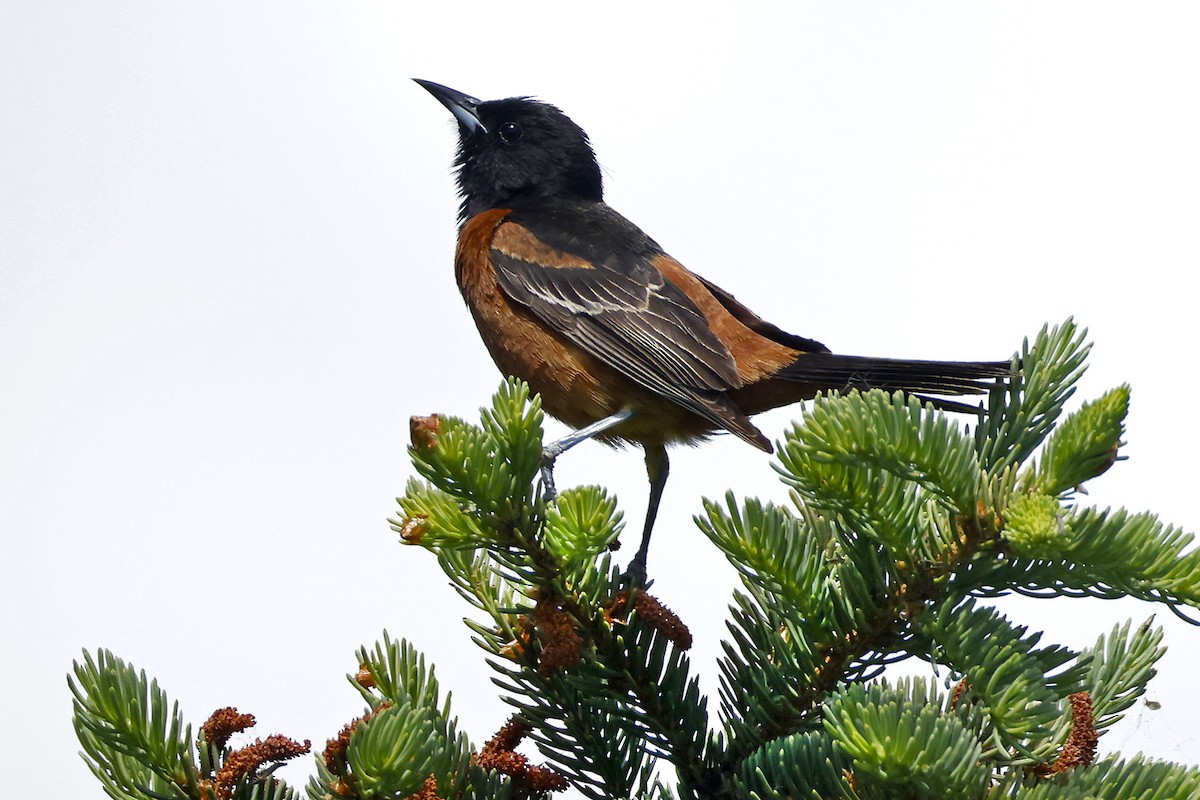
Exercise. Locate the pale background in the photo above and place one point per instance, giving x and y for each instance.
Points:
(226, 284)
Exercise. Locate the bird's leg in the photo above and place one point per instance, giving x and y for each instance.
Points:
(657, 467)
(556, 449)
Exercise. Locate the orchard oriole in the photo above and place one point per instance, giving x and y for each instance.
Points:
(621, 341)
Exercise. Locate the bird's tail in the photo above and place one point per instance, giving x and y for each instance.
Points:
(919, 378)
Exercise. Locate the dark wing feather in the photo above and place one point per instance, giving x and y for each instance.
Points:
(595, 285)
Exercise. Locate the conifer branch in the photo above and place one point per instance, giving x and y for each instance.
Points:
(902, 524)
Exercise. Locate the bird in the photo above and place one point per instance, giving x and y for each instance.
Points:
(621, 341)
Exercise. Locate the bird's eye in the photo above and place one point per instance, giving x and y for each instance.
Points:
(510, 132)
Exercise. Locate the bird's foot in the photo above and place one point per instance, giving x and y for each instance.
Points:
(549, 493)
(634, 577)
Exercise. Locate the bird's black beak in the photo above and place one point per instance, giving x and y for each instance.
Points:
(462, 106)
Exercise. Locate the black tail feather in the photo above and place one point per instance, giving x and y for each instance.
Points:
(838, 372)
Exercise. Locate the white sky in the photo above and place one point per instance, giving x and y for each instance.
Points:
(226, 284)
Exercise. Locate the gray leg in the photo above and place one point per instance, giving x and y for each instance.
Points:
(657, 467)
(556, 449)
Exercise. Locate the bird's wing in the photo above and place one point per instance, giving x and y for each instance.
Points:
(591, 279)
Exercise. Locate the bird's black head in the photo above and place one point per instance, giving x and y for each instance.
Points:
(517, 150)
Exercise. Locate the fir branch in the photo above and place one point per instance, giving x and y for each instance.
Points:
(134, 741)
(787, 653)
(902, 740)
(591, 741)
(1105, 554)
(394, 674)
(1083, 446)
(139, 750)
(528, 558)
(901, 517)
(581, 525)
(1023, 413)
(395, 671)
(889, 434)
(540, 689)
(1121, 664)
(600, 719)
(1004, 669)
(772, 549)
(783, 657)
(803, 765)
(780, 664)
(1115, 779)
(392, 752)
(1135, 554)
(490, 467)
(436, 520)
(840, 615)
(474, 577)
